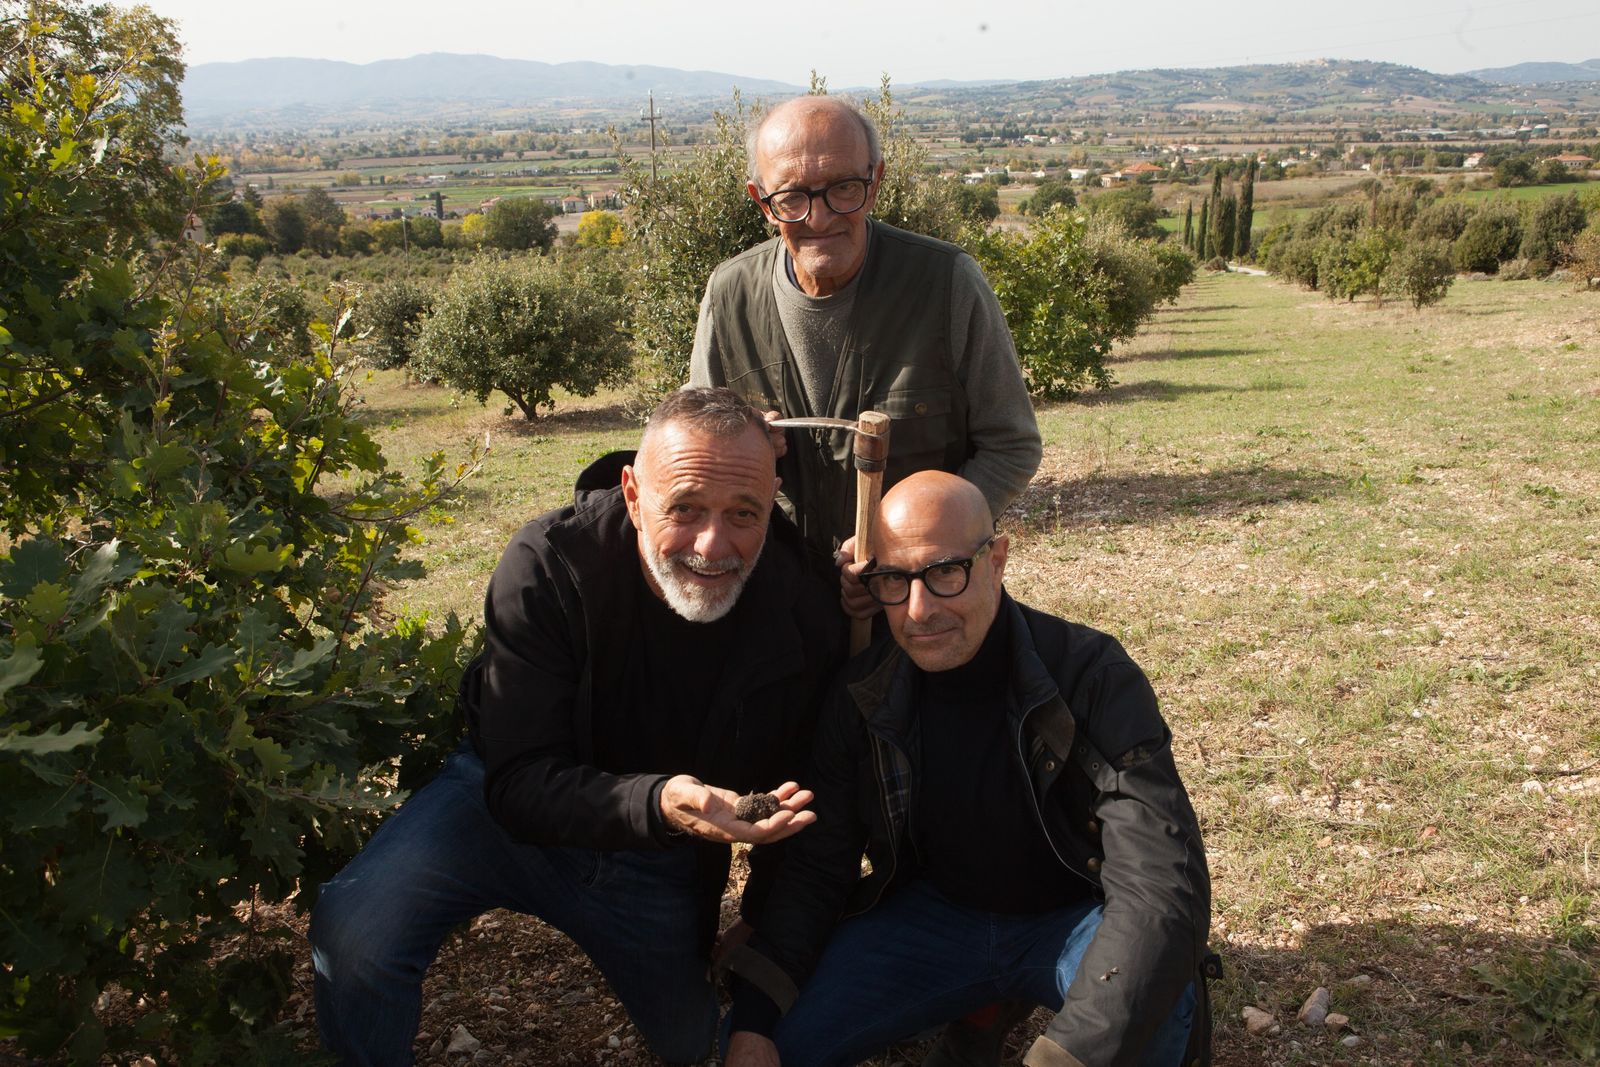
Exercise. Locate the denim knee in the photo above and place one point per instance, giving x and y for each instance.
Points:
(349, 933)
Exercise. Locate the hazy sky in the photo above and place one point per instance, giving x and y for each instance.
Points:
(853, 43)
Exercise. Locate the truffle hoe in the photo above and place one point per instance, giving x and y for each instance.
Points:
(872, 455)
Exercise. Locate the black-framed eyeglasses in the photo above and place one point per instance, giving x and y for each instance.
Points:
(843, 197)
(945, 577)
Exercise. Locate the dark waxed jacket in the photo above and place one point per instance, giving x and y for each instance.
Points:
(1098, 754)
(557, 621)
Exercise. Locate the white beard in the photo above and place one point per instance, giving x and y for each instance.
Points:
(695, 602)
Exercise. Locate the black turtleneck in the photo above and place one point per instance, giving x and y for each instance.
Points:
(974, 826)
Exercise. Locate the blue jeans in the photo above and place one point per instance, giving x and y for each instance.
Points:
(442, 860)
(917, 961)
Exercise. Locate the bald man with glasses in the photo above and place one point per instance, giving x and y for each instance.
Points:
(1011, 781)
(840, 313)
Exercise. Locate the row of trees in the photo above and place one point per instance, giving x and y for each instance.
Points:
(1408, 241)
(313, 221)
(1226, 219)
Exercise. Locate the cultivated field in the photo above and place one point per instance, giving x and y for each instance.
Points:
(1358, 550)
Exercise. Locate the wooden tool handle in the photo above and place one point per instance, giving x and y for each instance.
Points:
(872, 453)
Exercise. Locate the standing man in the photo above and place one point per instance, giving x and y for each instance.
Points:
(1012, 783)
(840, 313)
(644, 641)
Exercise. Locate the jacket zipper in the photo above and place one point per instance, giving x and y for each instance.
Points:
(1033, 798)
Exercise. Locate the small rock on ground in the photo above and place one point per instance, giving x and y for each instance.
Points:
(1259, 1022)
(1315, 1010)
(461, 1040)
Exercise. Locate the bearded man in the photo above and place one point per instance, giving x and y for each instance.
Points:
(659, 634)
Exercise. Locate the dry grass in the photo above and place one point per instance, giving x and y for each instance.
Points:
(1356, 549)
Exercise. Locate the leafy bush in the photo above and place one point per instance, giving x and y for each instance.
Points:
(1582, 255)
(525, 326)
(1490, 237)
(1047, 195)
(243, 244)
(1516, 270)
(1554, 222)
(1175, 268)
(391, 316)
(600, 229)
(204, 695)
(1071, 289)
(1420, 271)
(274, 317)
(1442, 220)
(1356, 267)
(686, 221)
(1133, 208)
(1339, 221)
(516, 225)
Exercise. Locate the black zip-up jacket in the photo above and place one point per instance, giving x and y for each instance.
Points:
(558, 616)
(1098, 755)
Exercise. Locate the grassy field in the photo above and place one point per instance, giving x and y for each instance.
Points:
(1358, 551)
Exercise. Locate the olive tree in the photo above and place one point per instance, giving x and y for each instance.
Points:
(1070, 290)
(1420, 271)
(526, 326)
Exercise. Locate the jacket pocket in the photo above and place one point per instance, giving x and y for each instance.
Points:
(920, 423)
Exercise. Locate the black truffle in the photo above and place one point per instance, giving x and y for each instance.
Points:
(753, 807)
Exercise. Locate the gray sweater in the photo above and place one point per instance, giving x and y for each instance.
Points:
(1001, 421)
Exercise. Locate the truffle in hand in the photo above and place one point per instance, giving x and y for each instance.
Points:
(753, 807)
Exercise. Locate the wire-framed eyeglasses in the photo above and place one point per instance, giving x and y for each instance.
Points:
(843, 197)
(945, 577)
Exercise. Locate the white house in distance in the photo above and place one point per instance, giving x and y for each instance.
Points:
(1573, 161)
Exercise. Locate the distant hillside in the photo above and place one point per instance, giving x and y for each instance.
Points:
(1281, 86)
(1541, 73)
(307, 92)
(306, 88)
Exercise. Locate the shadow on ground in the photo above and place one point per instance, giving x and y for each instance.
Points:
(1102, 499)
(1160, 390)
(609, 417)
(1165, 354)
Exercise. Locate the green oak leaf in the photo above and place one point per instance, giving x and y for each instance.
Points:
(213, 659)
(52, 740)
(121, 802)
(29, 563)
(47, 602)
(255, 559)
(169, 633)
(20, 667)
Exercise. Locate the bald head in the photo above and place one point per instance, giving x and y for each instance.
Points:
(928, 519)
(807, 116)
(945, 505)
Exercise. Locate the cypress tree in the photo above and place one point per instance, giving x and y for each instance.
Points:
(1226, 221)
(1203, 234)
(1247, 198)
(1214, 216)
(1188, 224)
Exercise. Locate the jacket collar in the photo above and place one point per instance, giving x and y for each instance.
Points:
(882, 694)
